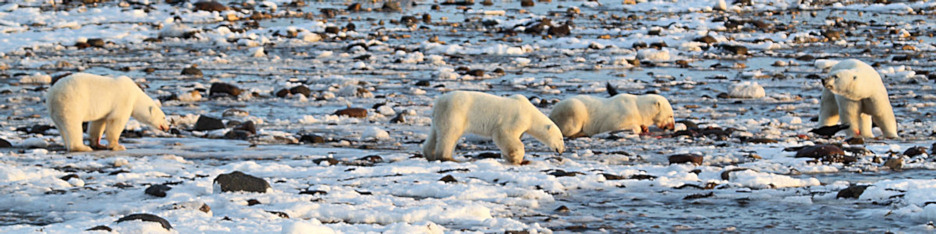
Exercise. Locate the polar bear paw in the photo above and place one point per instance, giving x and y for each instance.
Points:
(117, 147)
(80, 148)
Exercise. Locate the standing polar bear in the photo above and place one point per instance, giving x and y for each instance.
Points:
(585, 115)
(505, 119)
(107, 102)
(854, 95)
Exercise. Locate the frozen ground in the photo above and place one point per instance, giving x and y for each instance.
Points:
(606, 183)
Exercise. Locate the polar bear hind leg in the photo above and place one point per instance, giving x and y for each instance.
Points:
(570, 117)
(429, 147)
(71, 134)
(510, 145)
(445, 143)
(828, 109)
(95, 131)
(114, 127)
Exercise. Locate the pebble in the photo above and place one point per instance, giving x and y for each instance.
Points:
(686, 158)
(158, 190)
(238, 181)
(205, 123)
(224, 89)
(352, 112)
(819, 151)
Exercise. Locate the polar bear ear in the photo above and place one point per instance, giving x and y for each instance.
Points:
(854, 77)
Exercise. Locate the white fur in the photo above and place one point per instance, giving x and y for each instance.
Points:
(854, 94)
(505, 119)
(108, 103)
(585, 115)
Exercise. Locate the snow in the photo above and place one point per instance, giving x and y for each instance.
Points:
(747, 89)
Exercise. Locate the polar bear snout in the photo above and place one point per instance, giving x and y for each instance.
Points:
(829, 82)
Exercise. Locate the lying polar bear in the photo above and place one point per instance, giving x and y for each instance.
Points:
(854, 94)
(584, 115)
(107, 102)
(505, 119)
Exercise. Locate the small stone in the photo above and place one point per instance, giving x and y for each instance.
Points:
(686, 158)
(562, 209)
(224, 88)
(561, 30)
(158, 190)
(234, 112)
(147, 218)
(423, 83)
(735, 49)
(855, 141)
(329, 13)
(5, 144)
(476, 73)
(853, 191)
(100, 228)
(487, 2)
(527, 3)
(279, 213)
(150, 70)
(726, 175)
(313, 192)
(253, 202)
(331, 161)
(312, 139)
(210, 6)
(205, 123)
(352, 112)
(238, 181)
(301, 89)
(706, 39)
(354, 7)
(895, 164)
(819, 151)
(332, 29)
(612, 176)
(391, 6)
(915, 151)
(237, 134)
(96, 42)
(82, 45)
(449, 179)
(408, 20)
(248, 126)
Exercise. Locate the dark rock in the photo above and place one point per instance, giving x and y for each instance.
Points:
(238, 181)
(408, 20)
(96, 42)
(639, 45)
(354, 7)
(158, 190)
(832, 35)
(332, 29)
(855, 141)
(37, 129)
(527, 3)
(760, 141)
(279, 213)
(612, 176)
(642, 177)
(561, 173)
(915, 151)
(476, 72)
(5, 144)
(847, 160)
(282, 93)
(427, 18)
(312, 139)
(895, 164)
(561, 30)
(248, 126)
(689, 124)
(210, 6)
(391, 6)
(700, 195)
(147, 218)
(253, 202)
(69, 176)
(82, 45)
(829, 131)
(853, 191)
(100, 228)
(726, 175)
(448, 179)
(399, 118)
(819, 151)
(224, 88)
(562, 209)
(423, 83)
(352, 112)
(205, 123)
(686, 158)
(331, 161)
(658, 45)
(301, 89)
(192, 71)
(734, 49)
(313, 192)
(329, 13)
(237, 134)
(487, 155)
(706, 39)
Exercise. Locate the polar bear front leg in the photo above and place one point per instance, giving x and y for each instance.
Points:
(95, 131)
(113, 128)
(828, 109)
(866, 126)
(511, 147)
(850, 113)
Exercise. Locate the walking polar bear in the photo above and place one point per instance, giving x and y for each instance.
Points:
(107, 102)
(854, 94)
(585, 115)
(505, 119)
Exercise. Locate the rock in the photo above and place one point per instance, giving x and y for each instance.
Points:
(352, 112)
(224, 88)
(612, 176)
(301, 89)
(236, 134)
(642, 177)
(476, 73)
(5, 144)
(233, 112)
(354, 7)
(734, 49)
(279, 213)
(205, 123)
(726, 175)
(527, 3)
(158, 190)
(895, 164)
(332, 29)
(82, 45)
(847, 160)
(706, 39)
(423, 83)
(331, 161)
(192, 71)
(210, 6)
(853, 191)
(561, 30)
(312, 139)
(253, 202)
(96, 42)
(391, 6)
(238, 181)
(408, 20)
(855, 141)
(313, 192)
(819, 151)
(192, 205)
(828, 131)
(915, 151)
(685, 158)
(147, 218)
(100, 228)
(700, 195)
(329, 13)
(562, 209)
(248, 126)
(832, 35)
(449, 179)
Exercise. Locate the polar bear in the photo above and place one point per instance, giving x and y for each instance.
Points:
(108, 103)
(505, 119)
(854, 95)
(585, 115)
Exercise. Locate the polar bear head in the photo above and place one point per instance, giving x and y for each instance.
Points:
(553, 137)
(148, 111)
(853, 79)
(658, 109)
